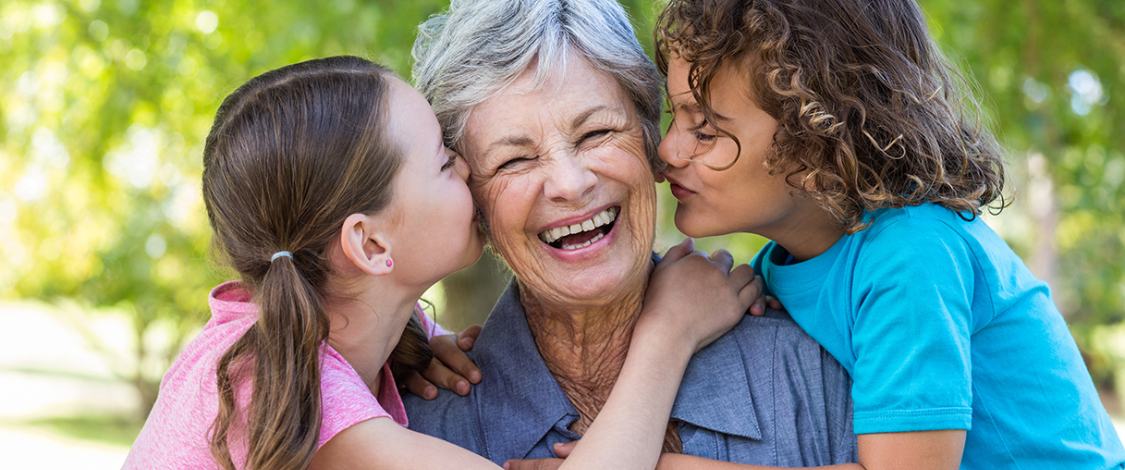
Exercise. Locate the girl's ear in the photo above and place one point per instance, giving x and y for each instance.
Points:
(365, 245)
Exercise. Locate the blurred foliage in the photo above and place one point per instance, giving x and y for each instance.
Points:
(104, 106)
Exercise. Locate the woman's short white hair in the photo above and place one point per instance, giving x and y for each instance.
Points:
(479, 47)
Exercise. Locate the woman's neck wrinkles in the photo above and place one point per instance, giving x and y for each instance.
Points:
(584, 348)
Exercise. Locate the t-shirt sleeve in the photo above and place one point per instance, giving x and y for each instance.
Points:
(345, 399)
(431, 327)
(913, 284)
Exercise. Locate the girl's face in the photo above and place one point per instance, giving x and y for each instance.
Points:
(742, 198)
(436, 232)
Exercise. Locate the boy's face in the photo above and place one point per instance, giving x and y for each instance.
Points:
(744, 197)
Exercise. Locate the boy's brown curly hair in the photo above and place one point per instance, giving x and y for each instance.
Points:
(870, 113)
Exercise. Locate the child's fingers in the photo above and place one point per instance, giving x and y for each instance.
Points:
(758, 308)
(563, 449)
(446, 378)
(742, 276)
(454, 358)
(467, 338)
(420, 386)
(681, 250)
(774, 303)
(724, 258)
(751, 293)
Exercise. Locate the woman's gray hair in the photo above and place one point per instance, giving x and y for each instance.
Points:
(479, 47)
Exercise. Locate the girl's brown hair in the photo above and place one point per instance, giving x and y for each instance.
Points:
(292, 153)
(868, 109)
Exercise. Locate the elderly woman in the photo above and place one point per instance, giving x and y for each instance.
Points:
(556, 108)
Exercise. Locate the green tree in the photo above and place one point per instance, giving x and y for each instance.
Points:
(104, 105)
(104, 108)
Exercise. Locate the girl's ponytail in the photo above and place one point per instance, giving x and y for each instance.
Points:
(292, 153)
(285, 345)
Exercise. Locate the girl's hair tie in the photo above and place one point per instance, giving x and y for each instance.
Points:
(280, 254)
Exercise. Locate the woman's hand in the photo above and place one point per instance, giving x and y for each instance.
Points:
(450, 368)
(696, 297)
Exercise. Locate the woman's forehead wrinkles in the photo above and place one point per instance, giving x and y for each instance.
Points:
(509, 141)
(582, 117)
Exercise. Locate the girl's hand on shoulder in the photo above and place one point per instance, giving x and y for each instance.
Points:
(451, 368)
(697, 297)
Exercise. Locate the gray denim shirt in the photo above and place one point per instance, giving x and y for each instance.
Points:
(765, 393)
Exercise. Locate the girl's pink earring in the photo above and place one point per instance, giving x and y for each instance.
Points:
(390, 263)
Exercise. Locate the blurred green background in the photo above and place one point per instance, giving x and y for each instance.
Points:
(104, 105)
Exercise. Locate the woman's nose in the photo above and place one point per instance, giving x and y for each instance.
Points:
(670, 149)
(569, 179)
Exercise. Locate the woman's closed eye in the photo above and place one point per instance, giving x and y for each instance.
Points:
(513, 163)
(594, 134)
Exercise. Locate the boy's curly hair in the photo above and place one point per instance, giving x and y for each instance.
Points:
(870, 113)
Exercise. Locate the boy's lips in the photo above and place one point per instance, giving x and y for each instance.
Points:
(678, 190)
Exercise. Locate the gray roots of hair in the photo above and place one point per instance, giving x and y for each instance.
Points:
(479, 47)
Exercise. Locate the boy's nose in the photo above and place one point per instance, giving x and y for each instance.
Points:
(670, 149)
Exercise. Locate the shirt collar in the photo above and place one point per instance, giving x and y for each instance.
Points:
(715, 378)
(518, 386)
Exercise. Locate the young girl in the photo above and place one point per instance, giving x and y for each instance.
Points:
(835, 129)
(330, 192)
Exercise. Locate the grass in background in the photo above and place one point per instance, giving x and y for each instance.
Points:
(104, 429)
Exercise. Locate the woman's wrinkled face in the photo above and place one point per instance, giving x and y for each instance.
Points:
(559, 172)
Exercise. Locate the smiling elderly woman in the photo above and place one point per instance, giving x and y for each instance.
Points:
(556, 108)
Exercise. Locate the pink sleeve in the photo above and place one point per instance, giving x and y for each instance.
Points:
(431, 327)
(345, 399)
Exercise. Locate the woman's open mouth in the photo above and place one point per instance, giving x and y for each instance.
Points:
(582, 234)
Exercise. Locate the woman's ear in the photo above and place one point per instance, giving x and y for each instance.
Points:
(365, 245)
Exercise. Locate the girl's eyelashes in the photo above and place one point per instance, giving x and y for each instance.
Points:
(449, 162)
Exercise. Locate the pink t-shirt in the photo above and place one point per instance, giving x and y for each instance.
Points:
(176, 433)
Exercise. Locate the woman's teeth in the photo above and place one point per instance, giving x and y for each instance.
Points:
(605, 217)
(583, 244)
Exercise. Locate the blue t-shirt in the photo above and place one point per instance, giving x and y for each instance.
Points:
(943, 327)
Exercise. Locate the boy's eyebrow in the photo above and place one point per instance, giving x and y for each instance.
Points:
(694, 107)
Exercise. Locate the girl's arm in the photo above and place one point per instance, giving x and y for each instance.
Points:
(692, 300)
(924, 450)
